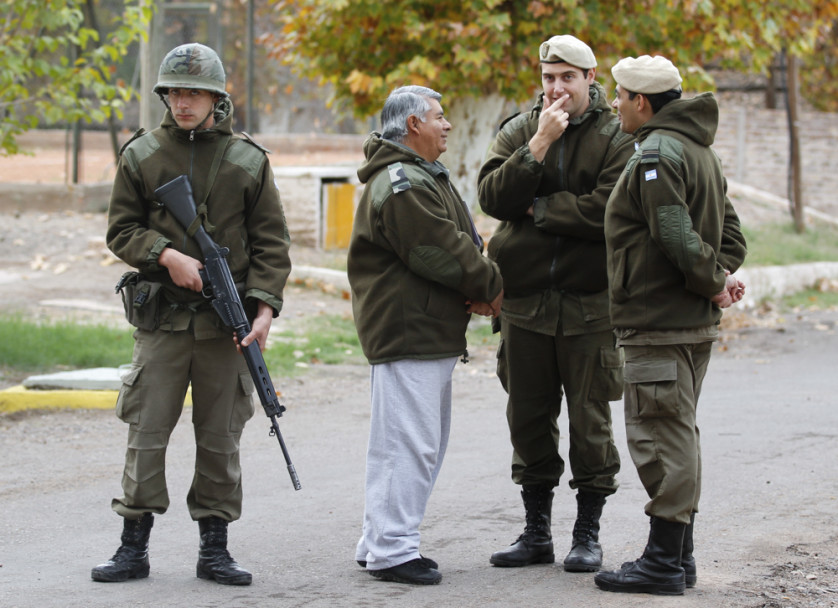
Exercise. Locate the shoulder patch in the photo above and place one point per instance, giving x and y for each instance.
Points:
(398, 178)
(136, 134)
(650, 151)
(249, 139)
(242, 153)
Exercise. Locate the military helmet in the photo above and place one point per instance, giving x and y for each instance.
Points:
(191, 66)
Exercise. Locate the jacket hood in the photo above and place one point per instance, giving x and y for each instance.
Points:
(696, 118)
(382, 152)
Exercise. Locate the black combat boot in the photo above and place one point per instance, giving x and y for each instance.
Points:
(687, 559)
(131, 559)
(214, 561)
(535, 545)
(658, 570)
(586, 553)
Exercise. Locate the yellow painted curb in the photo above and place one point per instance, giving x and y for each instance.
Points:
(18, 398)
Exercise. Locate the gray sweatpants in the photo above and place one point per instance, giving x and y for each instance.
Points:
(409, 428)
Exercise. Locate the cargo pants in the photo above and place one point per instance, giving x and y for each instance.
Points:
(662, 386)
(536, 370)
(151, 401)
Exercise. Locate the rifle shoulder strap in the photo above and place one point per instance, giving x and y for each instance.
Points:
(202, 210)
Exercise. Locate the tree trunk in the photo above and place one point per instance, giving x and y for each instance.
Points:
(795, 177)
(475, 123)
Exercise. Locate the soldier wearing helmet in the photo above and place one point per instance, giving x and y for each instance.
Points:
(179, 338)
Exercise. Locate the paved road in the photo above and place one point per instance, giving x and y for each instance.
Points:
(769, 427)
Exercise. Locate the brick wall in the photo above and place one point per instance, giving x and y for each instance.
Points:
(753, 144)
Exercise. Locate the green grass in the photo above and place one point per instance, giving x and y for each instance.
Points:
(780, 245)
(28, 347)
(39, 347)
(479, 332)
(324, 339)
(809, 299)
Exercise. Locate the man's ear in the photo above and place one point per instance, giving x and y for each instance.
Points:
(413, 123)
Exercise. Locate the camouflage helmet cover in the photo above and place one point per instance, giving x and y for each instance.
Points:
(191, 66)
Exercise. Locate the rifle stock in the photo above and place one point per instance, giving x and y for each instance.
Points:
(176, 197)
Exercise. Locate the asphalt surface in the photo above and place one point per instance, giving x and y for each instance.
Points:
(769, 427)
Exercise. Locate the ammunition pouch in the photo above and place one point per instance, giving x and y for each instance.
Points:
(141, 300)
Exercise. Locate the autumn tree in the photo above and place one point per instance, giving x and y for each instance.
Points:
(54, 68)
(482, 53)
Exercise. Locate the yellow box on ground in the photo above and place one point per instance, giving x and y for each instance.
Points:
(338, 212)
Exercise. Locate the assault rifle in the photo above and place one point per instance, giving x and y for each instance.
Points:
(176, 196)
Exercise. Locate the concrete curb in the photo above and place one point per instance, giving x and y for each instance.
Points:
(332, 280)
(767, 282)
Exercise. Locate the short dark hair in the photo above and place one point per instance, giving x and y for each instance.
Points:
(658, 100)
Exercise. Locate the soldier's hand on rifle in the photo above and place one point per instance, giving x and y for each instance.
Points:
(183, 269)
(259, 329)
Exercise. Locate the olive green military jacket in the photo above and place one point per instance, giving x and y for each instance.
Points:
(561, 248)
(241, 211)
(414, 258)
(670, 229)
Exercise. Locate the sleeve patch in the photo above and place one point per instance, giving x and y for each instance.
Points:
(398, 178)
(651, 174)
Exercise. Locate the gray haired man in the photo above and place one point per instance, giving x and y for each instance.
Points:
(416, 270)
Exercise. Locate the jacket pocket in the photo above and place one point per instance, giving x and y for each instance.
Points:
(438, 301)
(584, 313)
(523, 309)
(652, 388)
(130, 394)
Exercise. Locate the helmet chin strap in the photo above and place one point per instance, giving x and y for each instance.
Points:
(207, 117)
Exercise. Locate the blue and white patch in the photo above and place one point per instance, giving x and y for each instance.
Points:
(651, 174)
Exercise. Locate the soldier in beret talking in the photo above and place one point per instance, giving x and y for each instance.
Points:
(674, 242)
(547, 178)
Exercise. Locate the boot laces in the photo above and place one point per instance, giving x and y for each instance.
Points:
(125, 553)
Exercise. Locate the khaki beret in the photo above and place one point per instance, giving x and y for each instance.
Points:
(568, 49)
(646, 74)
